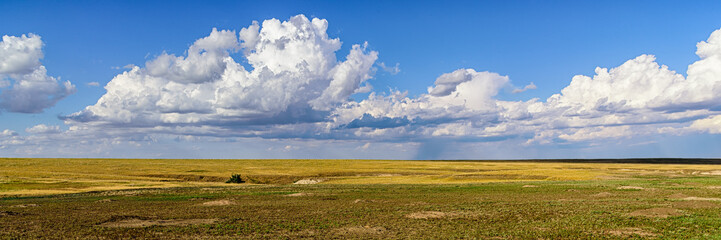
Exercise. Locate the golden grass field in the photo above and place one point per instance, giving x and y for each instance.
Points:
(53, 176)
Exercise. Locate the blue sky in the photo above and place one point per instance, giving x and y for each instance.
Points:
(300, 115)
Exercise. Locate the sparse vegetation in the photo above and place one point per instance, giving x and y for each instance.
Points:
(619, 201)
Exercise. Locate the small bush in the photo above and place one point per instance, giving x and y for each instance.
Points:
(235, 178)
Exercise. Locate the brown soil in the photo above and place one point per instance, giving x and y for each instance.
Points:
(364, 201)
(388, 175)
(298, 194)
(529, 186)
(428, 215)
(24, 205)
(135, 222)
(417, 204)
(695, 204)
(218, 203)
(702, 199)
(366, 230)
(715, 173)
(308, 181)
(628, 232)
(105, 200)
(602, 194)
(629, 187)
(656, 212)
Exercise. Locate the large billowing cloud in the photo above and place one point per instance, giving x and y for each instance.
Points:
(20, 55)
(641, 83)
(460, 103)
(295, 75)
(639, 97)
(25, 86)
(639, 94)
(297, 88)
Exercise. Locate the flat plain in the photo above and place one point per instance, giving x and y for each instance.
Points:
(187, 198)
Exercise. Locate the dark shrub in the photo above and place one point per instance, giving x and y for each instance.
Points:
(235, 178)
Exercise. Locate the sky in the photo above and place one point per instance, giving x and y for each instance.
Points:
(360, 79)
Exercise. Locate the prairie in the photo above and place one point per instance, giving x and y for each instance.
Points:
(152, 198)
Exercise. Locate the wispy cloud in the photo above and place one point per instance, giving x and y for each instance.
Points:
(392, 70)
(530, 86)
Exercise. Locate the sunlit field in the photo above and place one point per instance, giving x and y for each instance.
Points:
(52, 176)
(149, 198)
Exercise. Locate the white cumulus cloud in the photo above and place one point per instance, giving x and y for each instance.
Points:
(43, 129)
(205, 60)
(296, 87)
(711, 124)
(8, 133)
(20, 55)
(294, 74)
(25, 86)
(641, 83)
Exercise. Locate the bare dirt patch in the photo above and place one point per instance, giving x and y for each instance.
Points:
(308, 181)
(136, 222)
(628, 232)
(218, 203)
(629, 188)
(299, 194)
(105, 200)
(24, 205)
(428, 215)
(365, 230)
(714, 187)
(388, 175)
(714, 173)
(701, 199)
(417, 204)
(656, 212)
(602, 194)
(695, 204)
(530, 186)
(364, 201)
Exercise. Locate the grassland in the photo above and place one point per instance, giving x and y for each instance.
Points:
(144, 198)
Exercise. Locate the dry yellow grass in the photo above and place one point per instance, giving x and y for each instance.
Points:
(52, 176)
